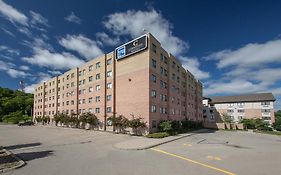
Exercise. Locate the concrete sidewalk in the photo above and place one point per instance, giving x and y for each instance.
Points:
(141, 143)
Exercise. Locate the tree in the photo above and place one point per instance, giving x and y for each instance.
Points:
(277, 124)
(120, 122)
(136, 124)
(227, 118)
(166, 126)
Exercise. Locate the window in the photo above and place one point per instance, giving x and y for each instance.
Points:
(91, 68)
(108, 97)
(67, 77)
(162, 70)
(90, 78)
(72, 84)
(153, 108)
(265, 103)
(109, 85)
(84, 71)
(162, 57)
(91, 89)
(72, 102)
(90, 110)
(153, 78)
(97, 110)
(97, 65)
(90, 99)
(108, 109)
(241, 110)
(173, 65)
(97, 76)
(97, 98)
(153, 93)
(165, 60)
(97, 87)
(109, 61)
(154, 63)
(230, 110)
(265, 110)
(154, 48)
(109, 73)
(80, 73)
(154, 125)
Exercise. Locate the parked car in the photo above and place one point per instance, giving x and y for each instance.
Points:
(28, 123)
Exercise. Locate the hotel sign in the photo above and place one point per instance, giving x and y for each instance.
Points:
(131, 47)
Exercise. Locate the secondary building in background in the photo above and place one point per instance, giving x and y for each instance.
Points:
(240, 107)
(138, 79)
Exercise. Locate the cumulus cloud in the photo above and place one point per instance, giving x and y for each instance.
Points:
(133, 23)
(45, 58)
(104, 38)
(193, 65)
(73, 18)
(84, 46)
(252, 54)
(12, 14)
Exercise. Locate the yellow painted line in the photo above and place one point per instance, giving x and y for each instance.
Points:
(187, 144)
(193, 161)
(213, 158)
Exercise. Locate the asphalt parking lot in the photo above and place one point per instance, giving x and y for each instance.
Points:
(58, 151)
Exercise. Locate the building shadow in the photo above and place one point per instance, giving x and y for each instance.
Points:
(11, 147)
(28, 156)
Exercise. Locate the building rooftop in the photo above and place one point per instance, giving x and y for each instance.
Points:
(244, 98)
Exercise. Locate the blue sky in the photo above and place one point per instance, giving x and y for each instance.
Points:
(232, 46)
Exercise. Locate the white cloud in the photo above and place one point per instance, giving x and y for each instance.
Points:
(12, 14)
(104, 38)
(10, 69)
(235, 86)
(133, 22)
(8, 51)
(193, 66)
(73, 18)
(54, 72)
(37, 18)
(8, 32)
(25, 31)
(45, 58)
(252, 54)
(81, 44)
(23, 67)
(41, 77)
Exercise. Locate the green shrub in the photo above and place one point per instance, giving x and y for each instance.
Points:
(158, 135)
(258, 124)
(14, 117)
(165, 126)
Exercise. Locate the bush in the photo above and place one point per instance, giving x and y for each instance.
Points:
(165, 126)
(277, 124)
(14, 117)
(158, 135)
(258, 124)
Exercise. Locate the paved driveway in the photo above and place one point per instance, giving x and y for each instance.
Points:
(58, 151)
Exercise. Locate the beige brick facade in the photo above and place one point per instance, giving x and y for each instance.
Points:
(151, 84)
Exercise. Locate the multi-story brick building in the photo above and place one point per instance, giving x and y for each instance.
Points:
(247, 106)
(138, 79)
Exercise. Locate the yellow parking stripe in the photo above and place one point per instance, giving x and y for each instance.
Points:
(193, 161)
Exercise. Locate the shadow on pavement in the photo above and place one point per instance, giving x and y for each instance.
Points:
(11, 147)
(34, 155)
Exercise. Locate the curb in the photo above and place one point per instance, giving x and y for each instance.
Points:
(164, 142)
(21, 162)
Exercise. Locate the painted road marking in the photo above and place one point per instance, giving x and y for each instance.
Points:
(213, 158)
(193, 161)
(186, 144)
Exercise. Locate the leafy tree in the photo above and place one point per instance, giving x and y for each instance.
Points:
(136, 124)
(166, 126)
(227, 118)
(15, 101)
(277, 124)
(120, 122)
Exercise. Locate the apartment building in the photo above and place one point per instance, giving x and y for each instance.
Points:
(138, 79)
(260, 105)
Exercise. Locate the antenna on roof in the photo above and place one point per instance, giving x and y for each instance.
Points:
(22, 85)
(144, 30)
